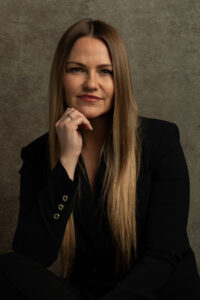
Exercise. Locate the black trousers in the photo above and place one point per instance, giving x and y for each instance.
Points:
(23, 278)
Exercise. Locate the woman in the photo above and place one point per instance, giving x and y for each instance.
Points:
(106, 188)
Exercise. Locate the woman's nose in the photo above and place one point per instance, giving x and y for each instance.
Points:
(91, 81)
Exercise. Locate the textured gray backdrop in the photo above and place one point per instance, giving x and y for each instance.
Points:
(162, 40)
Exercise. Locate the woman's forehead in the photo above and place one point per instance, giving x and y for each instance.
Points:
(90, 49)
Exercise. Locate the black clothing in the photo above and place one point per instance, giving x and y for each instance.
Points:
(166, 268)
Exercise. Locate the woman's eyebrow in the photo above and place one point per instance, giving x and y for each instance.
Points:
(80, 64)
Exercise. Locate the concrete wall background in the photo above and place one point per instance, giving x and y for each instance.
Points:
(162, 40)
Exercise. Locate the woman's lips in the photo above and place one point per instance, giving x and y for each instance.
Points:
(89, 99)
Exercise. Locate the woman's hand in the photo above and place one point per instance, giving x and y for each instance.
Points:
(69, 135)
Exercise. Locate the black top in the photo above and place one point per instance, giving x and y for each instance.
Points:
(166, 263)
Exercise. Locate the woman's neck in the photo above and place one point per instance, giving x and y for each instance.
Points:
(93, 139)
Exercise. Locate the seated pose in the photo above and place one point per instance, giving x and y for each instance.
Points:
(106, 190)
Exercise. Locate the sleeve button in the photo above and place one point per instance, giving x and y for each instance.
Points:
(56, 216)
(65, 197)
(60, 207)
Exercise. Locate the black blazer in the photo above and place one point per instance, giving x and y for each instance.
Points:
(166, 264)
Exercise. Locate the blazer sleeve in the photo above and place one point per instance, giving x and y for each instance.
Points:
(165, 229)
(46, 203)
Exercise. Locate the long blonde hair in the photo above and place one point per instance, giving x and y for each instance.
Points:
(121, 149)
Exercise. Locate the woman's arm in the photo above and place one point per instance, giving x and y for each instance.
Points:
(163, 241)
(45, 206)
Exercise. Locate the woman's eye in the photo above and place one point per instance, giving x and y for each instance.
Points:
(75, 69)
(105, 71)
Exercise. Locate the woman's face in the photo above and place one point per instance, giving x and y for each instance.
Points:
(89, 72)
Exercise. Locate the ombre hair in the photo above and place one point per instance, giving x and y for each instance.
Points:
(121, 149)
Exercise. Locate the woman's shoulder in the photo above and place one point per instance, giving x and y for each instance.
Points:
(37, 148)
(155, 125)
(153, 128)
(158, 135)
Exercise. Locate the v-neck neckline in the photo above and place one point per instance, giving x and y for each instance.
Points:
(96, 192)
